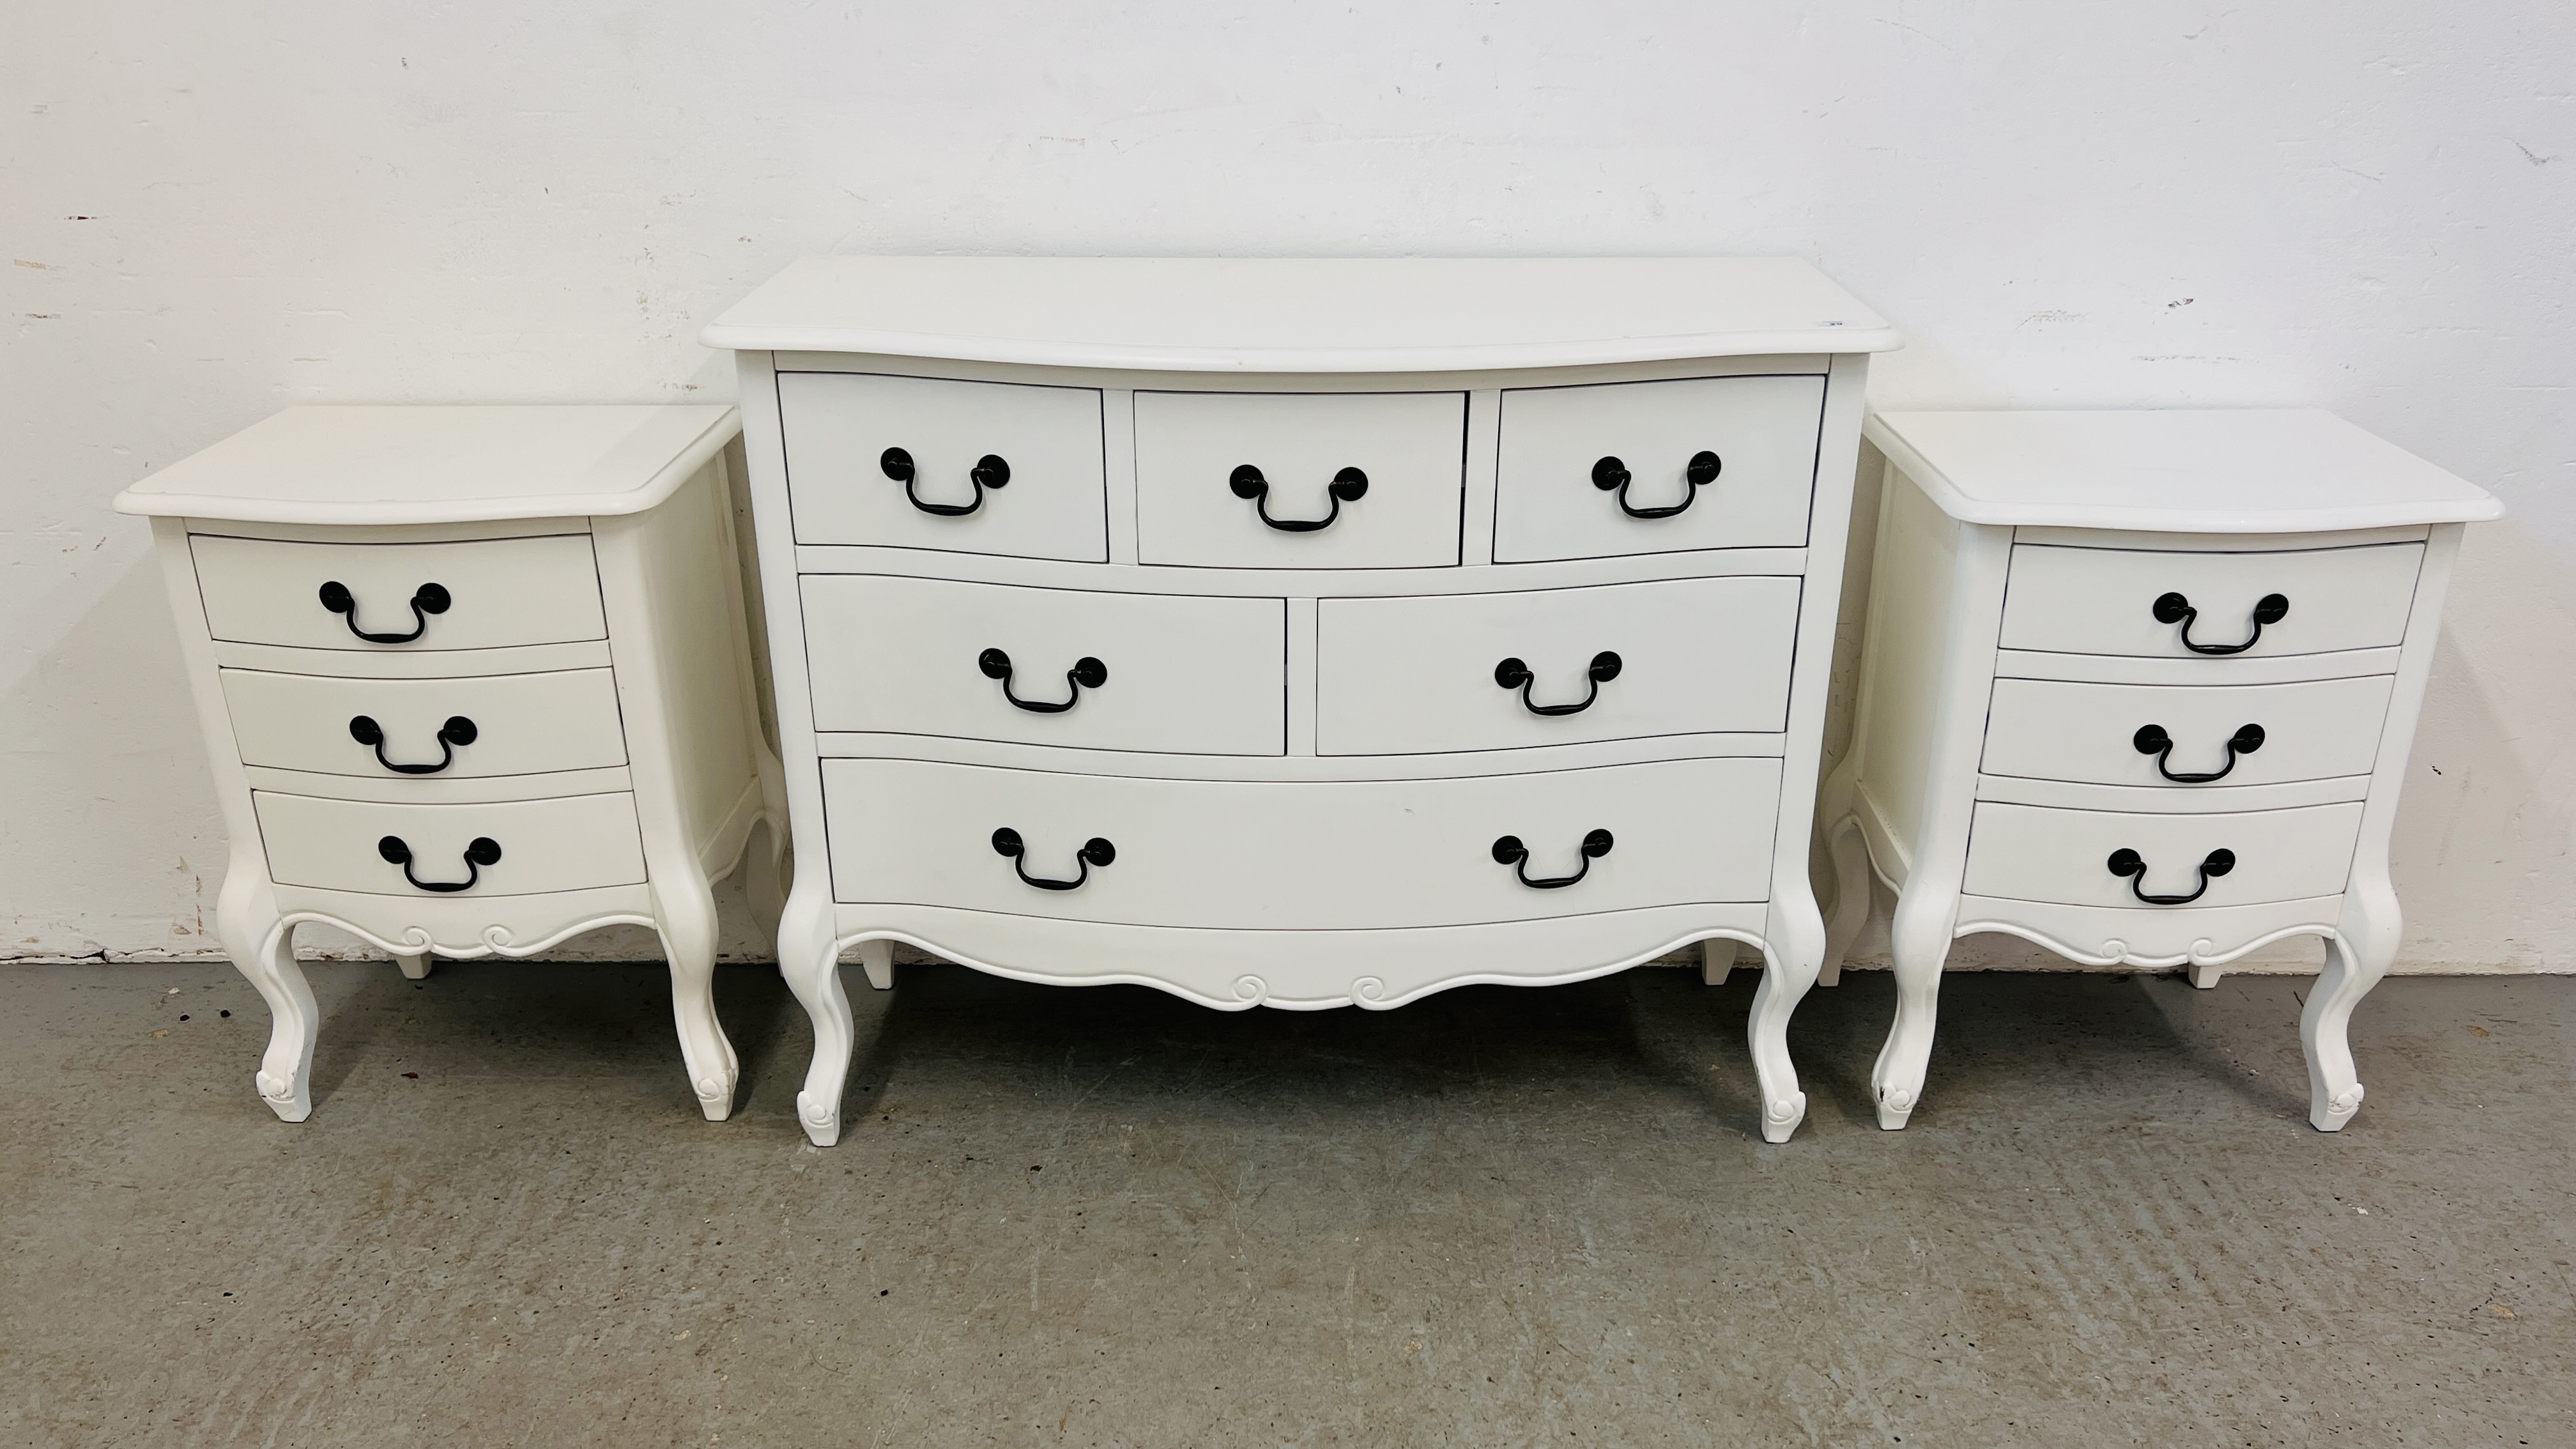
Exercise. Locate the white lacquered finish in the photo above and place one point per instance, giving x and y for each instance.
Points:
(2140, 687)
(1296, 781)
(1420, 675)
(472, 680)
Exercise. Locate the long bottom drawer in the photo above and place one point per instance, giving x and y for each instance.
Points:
(520, 848)
(1336, 855)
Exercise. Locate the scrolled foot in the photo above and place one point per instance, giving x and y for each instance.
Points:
(1781, 1117)
(285, 1093)
(1895, 1108)
(2328, 1114)
(822, 1122)
(715, 1096)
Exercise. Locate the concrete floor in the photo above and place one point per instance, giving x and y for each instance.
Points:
(1498, 1217)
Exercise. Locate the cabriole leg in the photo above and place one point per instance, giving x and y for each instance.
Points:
(1850, 855)
(809, 961)
(413, 967)
(2354, 964)
(877, 959)
(1920, 938)
(686, 912)
(263, 947)
(1794, 943)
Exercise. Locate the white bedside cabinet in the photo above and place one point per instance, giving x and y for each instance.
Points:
(1300, 633)
(473, 680)
(2139, 686)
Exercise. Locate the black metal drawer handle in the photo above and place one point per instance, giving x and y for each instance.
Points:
(2152, 740)
(1086, 673)
(457, 731)
(1094, 852)
(1508, 850)
(1513, 674)
(1702, 470)
(1349, 486)
(2129, 864)
(990, 471)
(481, 851)
(2175, 609)
(426, 600)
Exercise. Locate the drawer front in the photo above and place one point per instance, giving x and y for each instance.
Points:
(1387, 469)
(1559, 444)
(845, 487)
(1172, 673)
(2053, 730)
(567, 844)
(2029, 853)
(486, 594)
(2113, 601)
(1300, 855)
(514, 724)
(1403, 676)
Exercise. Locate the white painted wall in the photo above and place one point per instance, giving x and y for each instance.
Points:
(211, 211)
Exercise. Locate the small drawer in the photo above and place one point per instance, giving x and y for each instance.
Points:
(2212, 737)
(486, 594)
(505, 724)
(2030, 853)
(2208, 605)
(1608, 469)
(523, 848)
(1047, 666)
(1300, 480)
(1335, 855)
(1413, 675)
(973, 467)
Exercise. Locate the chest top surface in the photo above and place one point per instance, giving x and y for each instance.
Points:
(417, 465)
(2172, 471)
(1302, 315)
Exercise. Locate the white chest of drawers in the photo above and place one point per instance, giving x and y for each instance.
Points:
(472, 680)
(2140, 687)
(1299, 633)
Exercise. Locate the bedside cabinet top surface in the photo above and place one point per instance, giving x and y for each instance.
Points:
(1302, 315)
(2172, 471)
(416, 465)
